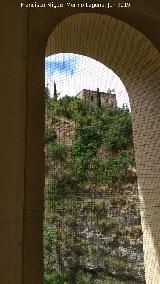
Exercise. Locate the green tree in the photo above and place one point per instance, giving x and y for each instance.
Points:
(55, 94)
(48, 100)
(98, 98)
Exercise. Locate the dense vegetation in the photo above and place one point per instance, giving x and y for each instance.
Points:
(92, 231)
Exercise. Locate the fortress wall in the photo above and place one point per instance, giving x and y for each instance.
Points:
(91, 97)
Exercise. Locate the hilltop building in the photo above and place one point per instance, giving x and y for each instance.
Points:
(108, 98)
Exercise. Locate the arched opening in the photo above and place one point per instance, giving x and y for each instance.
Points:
(75, 35)
(92, 226)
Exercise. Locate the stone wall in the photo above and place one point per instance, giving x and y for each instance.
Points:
(91, 97)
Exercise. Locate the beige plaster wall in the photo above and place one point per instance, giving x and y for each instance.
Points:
(24, 35)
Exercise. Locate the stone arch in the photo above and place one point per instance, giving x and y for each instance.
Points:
(137, 62)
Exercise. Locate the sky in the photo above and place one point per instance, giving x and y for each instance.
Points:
(73, 73)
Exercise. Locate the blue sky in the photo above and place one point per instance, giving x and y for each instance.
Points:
(73, 72)
(64, 64)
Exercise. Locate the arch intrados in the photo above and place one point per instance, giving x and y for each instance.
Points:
(126, 59)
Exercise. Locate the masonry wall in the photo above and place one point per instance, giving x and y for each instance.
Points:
(91, 98)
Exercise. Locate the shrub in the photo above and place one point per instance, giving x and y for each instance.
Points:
(50, 134)
(118, 135)
(115, 170)
(56, 151)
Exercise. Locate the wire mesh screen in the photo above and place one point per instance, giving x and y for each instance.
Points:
(92, 225)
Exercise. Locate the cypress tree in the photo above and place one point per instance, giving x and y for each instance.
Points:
(55, 92)
(98, 98)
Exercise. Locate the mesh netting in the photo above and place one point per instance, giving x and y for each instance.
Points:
(92, 227)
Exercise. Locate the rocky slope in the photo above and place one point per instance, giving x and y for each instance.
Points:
(97, 228)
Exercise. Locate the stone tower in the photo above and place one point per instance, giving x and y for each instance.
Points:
(89, 96)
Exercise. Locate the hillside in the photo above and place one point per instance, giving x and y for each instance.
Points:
(92, 227)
